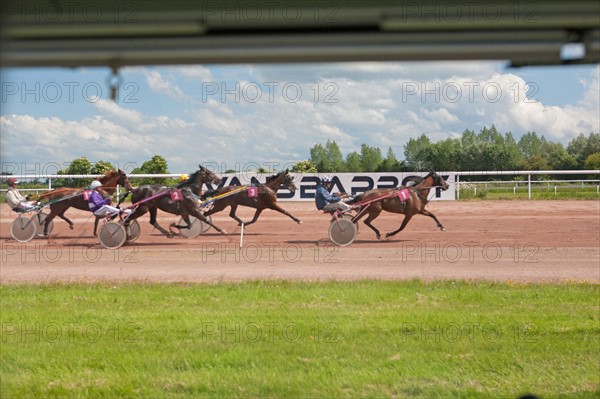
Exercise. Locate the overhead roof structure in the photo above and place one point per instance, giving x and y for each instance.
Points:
(141, 32)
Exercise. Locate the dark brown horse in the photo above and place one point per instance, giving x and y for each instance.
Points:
(419, 194)
(267, 198)
(74, 197)
(186, 206)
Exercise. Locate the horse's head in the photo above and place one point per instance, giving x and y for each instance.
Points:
(288, 182)
(282, 179)
(437, 180)
(116, 177)
(124, 180)
(201, 176)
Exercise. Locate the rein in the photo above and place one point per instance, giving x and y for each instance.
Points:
(224, 195)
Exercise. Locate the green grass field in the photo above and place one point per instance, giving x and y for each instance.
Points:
(537, 193)
(283, 339)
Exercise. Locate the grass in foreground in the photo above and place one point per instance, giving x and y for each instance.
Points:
(281, 339)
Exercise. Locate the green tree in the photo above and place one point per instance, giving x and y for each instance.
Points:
(101, 167)
(581, 147)
(498, 152)
(78, 166)
(318, 156)
(390, 163)
(353, 163)
(304, 167)
(370, 158)
(533, 150)
(592, 161)
(327, 158)
(156, 165)
(577, 147)
(513, 156)
(447, 154)
(418, 153)
(335, 155)
(557, 157)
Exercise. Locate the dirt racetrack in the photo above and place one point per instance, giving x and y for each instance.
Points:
(528, 241)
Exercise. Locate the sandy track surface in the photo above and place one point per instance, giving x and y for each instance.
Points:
(529, 241)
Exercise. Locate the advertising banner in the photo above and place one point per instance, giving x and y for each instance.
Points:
(350, 183)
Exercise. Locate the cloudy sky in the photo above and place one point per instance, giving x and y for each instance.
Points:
(270, 115)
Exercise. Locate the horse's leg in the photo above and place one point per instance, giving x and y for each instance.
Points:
(217, 206)
(54, 213)
(407, 217)
(234, 216)
(199, 215)
(153, 211)
(373, 211)
(431, 215)
(186, 219)
(274, 206)
(255, 217)
(49, 218)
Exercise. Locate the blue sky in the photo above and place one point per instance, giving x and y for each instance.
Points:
(272, 114)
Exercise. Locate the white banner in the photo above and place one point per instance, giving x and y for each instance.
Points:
(350, 183)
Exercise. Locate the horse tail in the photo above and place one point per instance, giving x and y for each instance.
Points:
(50, 195)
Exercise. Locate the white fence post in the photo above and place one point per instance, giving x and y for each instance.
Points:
(529, 186)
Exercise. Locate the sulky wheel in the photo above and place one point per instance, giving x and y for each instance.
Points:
(40, 220)
(194, 230)
(349, 217)
(112, 235)
(23, 229)
(134, 231)
(342, 232)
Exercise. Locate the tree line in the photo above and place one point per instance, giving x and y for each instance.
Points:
(83, 166)
(486, 150)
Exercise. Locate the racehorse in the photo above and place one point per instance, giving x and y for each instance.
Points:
(186, 206)
(74, 197)
(414, 205)
(267, 198)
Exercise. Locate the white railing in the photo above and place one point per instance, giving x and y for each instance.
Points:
(528, 173)
(514, 186)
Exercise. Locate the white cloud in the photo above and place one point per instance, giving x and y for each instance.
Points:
(381, 104)
(114, 110)
(164, 86)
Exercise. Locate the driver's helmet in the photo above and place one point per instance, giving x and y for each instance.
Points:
(325, 179)
(183, 178)
(95, 184)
